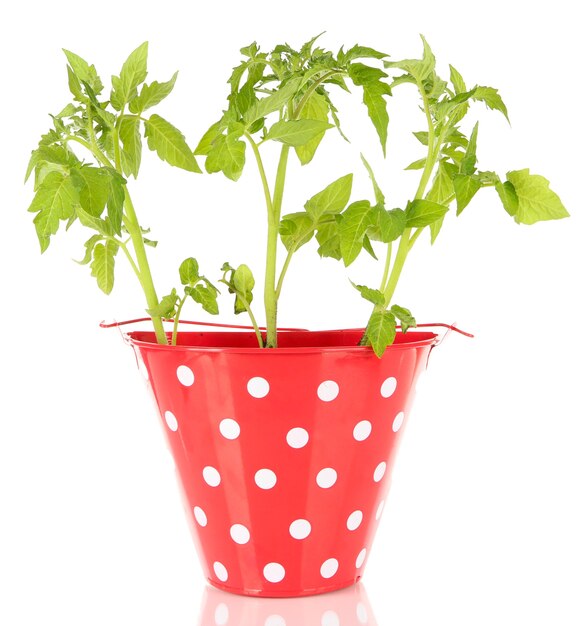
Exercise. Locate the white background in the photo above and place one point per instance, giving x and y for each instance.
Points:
(483, 523)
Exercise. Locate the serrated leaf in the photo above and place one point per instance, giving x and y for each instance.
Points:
(375, 296)
(115, 201)
(367, 246)
(93, 184)
(422, 136)
(152, 94)
(103, 265)
(536, 201)
(420, 213)
(381, 331)
(273, 102)
(204, 296)
(54, 201)
(205, 144)
(491, 98)
(166, 307)
(457, 81)
(227, 155)
(296, 229)
(355, 221)
(82, 72)
(130, 135)
(378, 194)
(329, 241)
(404, 316)
(133, 73)
(89, 245)
(333, 199)
(465, 188)
(316, 108)
(442, 186)
(416, 165)
(57, 154)
(96, 223)
(296, 132)
(362, 52)
(386, 226)
(506, 192)
(189, 271)
(420, 69)
(170, 144)
(470, 159)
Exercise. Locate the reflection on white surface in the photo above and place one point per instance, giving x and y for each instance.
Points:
(348, 607)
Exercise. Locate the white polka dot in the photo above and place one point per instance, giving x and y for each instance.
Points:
(275, 620)
(354, 520)
(258, 387)
(328, 390)
(211, 475)
(362, 613)
(330, 618)
(265, 478)
(326, 478)
(274, 572)
(297, 437)
(388, 387)
(397, 423)
(200, 516)
(379, 471)
(229, 429)
(300, 529)
(329, 568)
(171, 420)
(379, 510)
(361, 558)
(185, 375)
(362, 430)
(240, 534)
(220, 571)
(221, 614)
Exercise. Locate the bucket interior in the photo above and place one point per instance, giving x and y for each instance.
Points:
(286, 339)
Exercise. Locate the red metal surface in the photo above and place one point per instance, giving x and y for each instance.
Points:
(284, 456)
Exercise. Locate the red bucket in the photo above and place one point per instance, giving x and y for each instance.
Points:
(284, 455)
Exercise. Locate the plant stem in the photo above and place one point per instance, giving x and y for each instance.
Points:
(290, 254)
(386, 266)
(177, 321)
(270, 295)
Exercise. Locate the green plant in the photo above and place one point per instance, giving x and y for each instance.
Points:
(283, 96)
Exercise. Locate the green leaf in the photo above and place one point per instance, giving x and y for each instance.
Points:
(204, 296)
(328, 239)
(375, 296)
(243, 283)
(420, 69)
(103, 265)
(210, 136)
(296, 132)
(166, 307)
(133, 73)
(170, 144)
(362, 74)
(115, 201)
(54, 201)
(361, 52)
(404, 315)
(189, 272)
(508, 197)
(226, 155)
(422, 136)
(442, 186)
(491, 98)
(332, 199)
(457, 80)
(378, 195)
(316, 108)
(470, 159)
(536, 201)
(420, 213)
(152, 94)
(89, 245)
(381, 331)
(356, 220)
(367, 246)
(386, 226)
(83, 72)
(273, 102)
(465, 188)
(93, 183)
(130, 135)
(96, 223)
(416, 165)
(56, 154)
(296, 229)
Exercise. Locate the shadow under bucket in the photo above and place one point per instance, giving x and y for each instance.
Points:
(284, 455)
